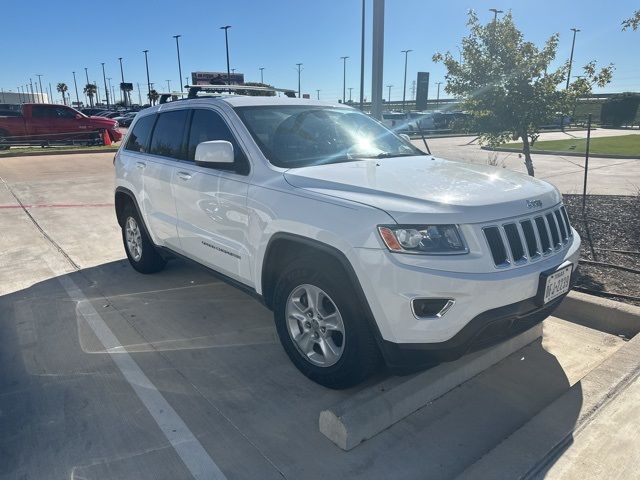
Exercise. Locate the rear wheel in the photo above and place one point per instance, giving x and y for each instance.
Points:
(3, 138)
(321, 325)
(141, 251)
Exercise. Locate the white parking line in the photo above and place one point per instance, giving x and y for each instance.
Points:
(186, 445)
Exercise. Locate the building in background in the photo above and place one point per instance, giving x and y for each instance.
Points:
(15, 98)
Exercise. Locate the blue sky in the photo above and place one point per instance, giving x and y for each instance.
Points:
(53, 39)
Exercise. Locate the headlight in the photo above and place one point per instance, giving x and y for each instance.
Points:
(423, 239)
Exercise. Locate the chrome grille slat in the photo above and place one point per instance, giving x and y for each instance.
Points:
(527, 239)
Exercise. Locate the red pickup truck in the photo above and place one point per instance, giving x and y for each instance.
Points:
(37, 122)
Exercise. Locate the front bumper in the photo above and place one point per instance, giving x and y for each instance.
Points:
(500, 301)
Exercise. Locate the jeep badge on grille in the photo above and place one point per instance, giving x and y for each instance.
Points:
(534, 203)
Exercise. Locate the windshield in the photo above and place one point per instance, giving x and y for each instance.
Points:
(293, 136)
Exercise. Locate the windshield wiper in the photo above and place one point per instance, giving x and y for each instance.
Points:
(391, 155)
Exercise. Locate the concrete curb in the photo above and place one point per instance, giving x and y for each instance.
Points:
(600, 313)
(561, 153)
(58, 152)
(376, 408)
(534, 446)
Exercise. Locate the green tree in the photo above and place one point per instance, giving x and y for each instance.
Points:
(506, 84)
(632, 22)
(90, 89)
(62, 88)
(153, 96)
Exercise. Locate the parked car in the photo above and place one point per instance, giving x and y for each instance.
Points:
(93, 111)
(126, 119)
(398, 122)
(364, 247)
(54, 123)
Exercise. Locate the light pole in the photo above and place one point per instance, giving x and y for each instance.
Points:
(179, 64)
(139, 94)
(124, 93)
(404, 87)
(344, 76)
(146, 62)
(438, 96)
(350, 89)
(377, 58)
(318, 94)
(40, 82)
(50, 93)
(106, 89)
(389, 95)
(362, 59)
(495, 13)
(33, 98)
(76, 85)
(299, 65)
(261, 74)
(168, 86)
(226, 43)
(573, 44)
(86, 72)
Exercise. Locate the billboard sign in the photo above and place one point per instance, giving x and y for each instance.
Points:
(422, 90)
(127, 87)
(216, 78)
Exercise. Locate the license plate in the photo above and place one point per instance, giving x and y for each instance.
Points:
(557, 284)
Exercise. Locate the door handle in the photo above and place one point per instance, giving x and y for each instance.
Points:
(184, 175)
(141, 165)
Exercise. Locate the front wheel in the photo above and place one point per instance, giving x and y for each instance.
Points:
(321, 325)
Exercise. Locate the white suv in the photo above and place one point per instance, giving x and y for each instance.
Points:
(364, 247)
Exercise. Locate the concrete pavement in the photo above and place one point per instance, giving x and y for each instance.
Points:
(68, 409)
(606, 176)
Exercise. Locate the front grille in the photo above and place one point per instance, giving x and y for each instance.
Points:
(527, 239)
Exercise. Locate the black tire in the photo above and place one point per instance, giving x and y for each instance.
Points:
(360, 357)
(150, 260)
(3, 135)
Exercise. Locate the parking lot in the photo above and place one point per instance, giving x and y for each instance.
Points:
(110, 374)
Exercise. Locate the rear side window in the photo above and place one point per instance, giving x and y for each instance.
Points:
(208, 125)
(168, 134)
(139, 138)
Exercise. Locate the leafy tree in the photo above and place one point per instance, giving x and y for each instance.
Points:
(90, 89)
(62, 88)
(632, 22)
(153, 96)
(504, 82)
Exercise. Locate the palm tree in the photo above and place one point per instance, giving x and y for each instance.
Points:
(62, 88)
(90, 90)
(153, 96)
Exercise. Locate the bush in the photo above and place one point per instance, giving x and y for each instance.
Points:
(620, 109)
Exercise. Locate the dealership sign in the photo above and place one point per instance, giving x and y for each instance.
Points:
(216, 78)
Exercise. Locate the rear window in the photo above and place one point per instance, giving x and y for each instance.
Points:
(168, 134)
(139, 137)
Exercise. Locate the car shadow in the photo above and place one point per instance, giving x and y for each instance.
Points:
(212, 351)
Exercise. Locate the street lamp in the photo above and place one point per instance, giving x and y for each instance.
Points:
(495, 13)
(261, 74)
(86, 72)
(350, 89)
(299, 65)
(106, 89)
(124, 93)
(318, 94)
(389, 95)
(404, 88)
(179, 64)
(438, 97)
(344, 76)
(226, 42)
(76, 85)
(168, 86)
(40, 82)
(573, 44)
(146, 62)
(362, 58)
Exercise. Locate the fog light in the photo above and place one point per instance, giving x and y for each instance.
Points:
(431, 307)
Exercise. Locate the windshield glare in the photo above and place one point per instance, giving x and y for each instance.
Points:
(301, 136)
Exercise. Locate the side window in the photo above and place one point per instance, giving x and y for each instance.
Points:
(139, 138)
(62, 112)
(168, 134)
(208, 125)
(41, 111)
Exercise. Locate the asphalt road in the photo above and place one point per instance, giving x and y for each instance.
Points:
(607, 176)
(109, 374)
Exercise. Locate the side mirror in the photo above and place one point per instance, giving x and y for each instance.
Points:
(405, 137)
(214, 152)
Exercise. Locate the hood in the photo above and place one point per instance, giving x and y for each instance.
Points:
(102, 122)
(425, 188)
